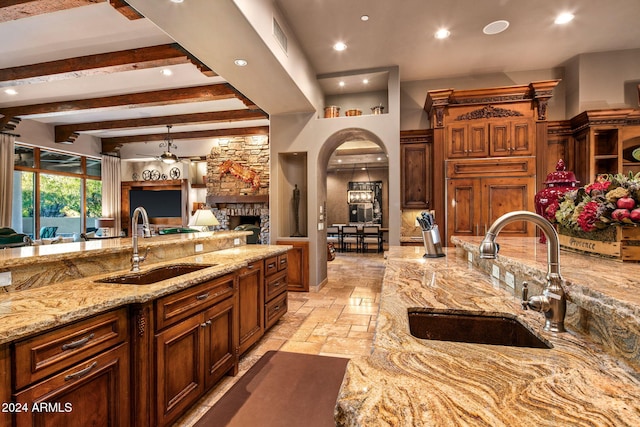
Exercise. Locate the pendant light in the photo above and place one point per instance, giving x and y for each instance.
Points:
(168, 157)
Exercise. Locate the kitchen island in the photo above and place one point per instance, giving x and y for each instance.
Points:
(142, 354)
(407, 381)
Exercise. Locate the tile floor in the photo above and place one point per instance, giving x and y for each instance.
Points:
(337, 320)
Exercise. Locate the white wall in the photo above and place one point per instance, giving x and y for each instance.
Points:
(42, 135)
(319, 138)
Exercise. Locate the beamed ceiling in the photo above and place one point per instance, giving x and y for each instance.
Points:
(115, 90)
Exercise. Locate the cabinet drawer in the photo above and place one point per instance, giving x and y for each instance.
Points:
(275, 285)
(49, 352)
(94, 392)
(283, 261)
(270, 265)
(178, 306)
(274, 310)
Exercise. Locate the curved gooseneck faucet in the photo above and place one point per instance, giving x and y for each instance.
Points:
(136, 259)
(553, 301)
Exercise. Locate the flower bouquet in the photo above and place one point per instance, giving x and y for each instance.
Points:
(606, 210)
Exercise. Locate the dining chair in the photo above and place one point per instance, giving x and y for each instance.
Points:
(350, 238)
(371, 235)
(333, 236)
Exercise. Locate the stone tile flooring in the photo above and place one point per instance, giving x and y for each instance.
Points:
(337, 320)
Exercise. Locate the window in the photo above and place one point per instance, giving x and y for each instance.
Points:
(65, 190)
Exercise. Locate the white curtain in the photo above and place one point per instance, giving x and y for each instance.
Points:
(111, 180)
(6, 178)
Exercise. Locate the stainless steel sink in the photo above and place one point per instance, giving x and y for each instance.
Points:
(460, 326)
(155, 275)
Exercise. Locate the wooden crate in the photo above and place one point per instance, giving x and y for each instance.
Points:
(625, 247)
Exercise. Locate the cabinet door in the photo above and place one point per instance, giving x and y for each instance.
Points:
(416, 175)
(457, 140)
(465, 206)
(250, 305)
(220, 344)
(511, 138)
(94, 392)
(478, 143)
(179, 368)
(522, 138)
(503, 195)
(297, 265)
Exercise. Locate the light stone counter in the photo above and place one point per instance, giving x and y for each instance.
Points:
(29, 311)
(408, 381)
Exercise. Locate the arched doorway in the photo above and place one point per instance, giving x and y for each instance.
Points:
(354, 162)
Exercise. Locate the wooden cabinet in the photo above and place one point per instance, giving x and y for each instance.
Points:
(467, 140)
(275, 288)
(77, 375)
(197, 347)
(480, 191)
(416, 169)
(512, 138)
(297, 265)
(250, 305)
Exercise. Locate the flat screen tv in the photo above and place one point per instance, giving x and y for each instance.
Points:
(158, 204)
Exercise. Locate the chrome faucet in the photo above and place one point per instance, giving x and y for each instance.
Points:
(553, 301)
(136, 259)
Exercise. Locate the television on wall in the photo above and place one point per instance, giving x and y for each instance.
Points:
(158, 204)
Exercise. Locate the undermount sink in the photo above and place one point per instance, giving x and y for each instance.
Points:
(460, 326)
(155, 275)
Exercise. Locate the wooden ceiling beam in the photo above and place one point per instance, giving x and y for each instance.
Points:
(110, 145)
(103, 63)
(68, 133)
(126, 10)
(11, 10)
(130, 100)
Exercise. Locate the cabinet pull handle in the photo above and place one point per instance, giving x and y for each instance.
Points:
(283, 261)
(250, 267)
(76, 344)
(208, 322)
(277, 307)
(203, 325)
(81, 373)
(271, 265)
(203, 296)
(276, 284)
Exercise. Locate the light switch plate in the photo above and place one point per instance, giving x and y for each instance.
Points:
(510, 279)
(470, 257)
(495, 272)
(5, 278)
(321, 226)
(236, 241)
(199, 247)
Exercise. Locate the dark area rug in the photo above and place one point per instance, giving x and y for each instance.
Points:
(281, 389)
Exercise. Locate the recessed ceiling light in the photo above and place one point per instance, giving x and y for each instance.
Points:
(240, 62)
(379, 159)
(339, 160)
(442, 33)
(166, 72)
(495, 27)
(564, 18)
(341, 84)
(340, 46)
(364, 18)
(11, 91)
(177, 1)
(365, 81)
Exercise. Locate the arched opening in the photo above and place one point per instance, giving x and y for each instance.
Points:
(356, 183)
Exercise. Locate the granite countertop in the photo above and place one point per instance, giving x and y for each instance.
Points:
(408, 381)
(30, 311)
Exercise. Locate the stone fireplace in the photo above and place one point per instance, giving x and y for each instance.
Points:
(238, 183)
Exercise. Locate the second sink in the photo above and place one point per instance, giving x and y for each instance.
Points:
(155, 275)
(460, 326)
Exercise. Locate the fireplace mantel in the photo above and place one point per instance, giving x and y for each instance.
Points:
(249, 198)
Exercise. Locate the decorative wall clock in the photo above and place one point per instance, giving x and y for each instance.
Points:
(155, 175)
(174, 173)
(146, 174)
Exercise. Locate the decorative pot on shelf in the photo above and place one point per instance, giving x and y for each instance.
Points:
(353, 112)
(556, 184)
(377, 109)
(331, 111)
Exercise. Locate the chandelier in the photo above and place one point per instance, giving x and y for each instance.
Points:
(167, 156)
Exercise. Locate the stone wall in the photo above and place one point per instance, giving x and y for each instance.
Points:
(248, 157)
(236, 168)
